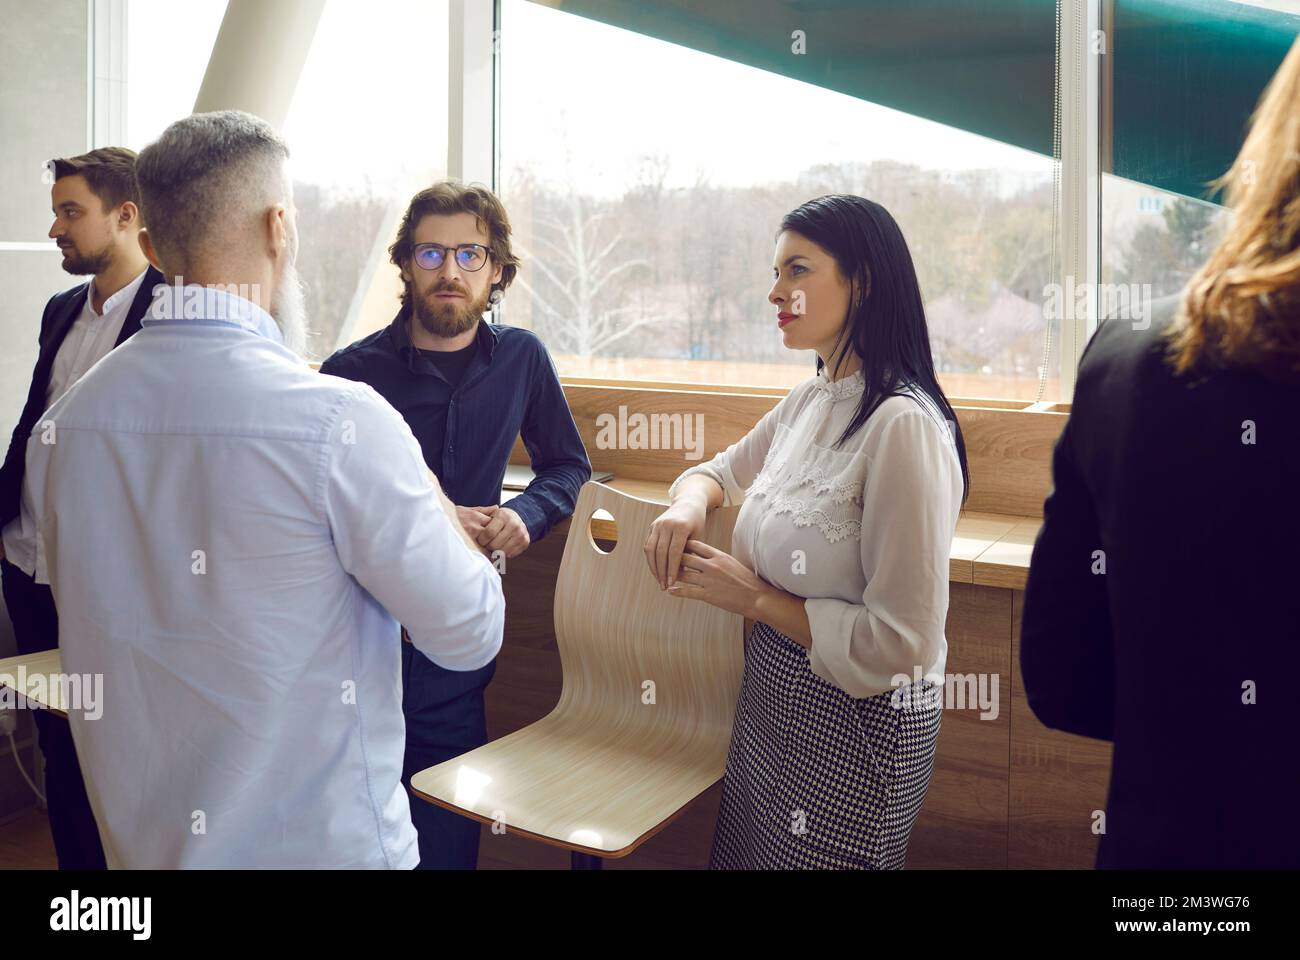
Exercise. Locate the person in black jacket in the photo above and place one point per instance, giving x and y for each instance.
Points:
(1159, 612)
(97, 226)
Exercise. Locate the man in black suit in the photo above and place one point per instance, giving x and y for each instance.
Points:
(1159, 611)
(97, 226)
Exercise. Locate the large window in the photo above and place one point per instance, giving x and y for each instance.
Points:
(1181, 81)
(649, 148)
(167, 50)
(646, 182)
(367, 129)
(1154, 240)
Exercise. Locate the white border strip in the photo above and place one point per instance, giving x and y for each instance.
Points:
(21, 247)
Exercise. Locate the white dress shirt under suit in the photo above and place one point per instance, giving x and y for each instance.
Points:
(230, 536)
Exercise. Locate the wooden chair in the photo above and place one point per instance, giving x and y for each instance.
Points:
(644, 718)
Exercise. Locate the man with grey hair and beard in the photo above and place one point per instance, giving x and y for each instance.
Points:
(232, 540)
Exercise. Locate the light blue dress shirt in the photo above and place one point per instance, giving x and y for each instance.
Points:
(229, 536)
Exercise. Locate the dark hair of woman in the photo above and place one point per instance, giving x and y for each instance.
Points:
(886, 322)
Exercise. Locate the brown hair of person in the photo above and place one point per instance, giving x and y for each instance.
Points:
(452, 196)
(1241, 310)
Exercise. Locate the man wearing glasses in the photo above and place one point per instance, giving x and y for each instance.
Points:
(467, 389)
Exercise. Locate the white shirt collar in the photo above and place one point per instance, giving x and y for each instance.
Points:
(843, 388)
(126, 294)
(193, 303)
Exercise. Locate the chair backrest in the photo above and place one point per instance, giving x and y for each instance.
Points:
(634, 655)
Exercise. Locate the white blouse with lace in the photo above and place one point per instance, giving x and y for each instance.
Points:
(863, 531)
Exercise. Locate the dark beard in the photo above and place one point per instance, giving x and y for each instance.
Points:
(85, 265)
(446, 319)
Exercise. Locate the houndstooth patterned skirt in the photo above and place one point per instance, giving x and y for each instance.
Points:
(817, 779)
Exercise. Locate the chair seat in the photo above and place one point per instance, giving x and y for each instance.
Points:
(570, 781)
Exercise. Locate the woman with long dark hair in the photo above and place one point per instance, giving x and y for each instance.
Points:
(851, 488)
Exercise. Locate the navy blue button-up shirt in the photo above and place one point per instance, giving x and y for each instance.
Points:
(467, 432)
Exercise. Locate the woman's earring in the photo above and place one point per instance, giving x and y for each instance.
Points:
(494, 297)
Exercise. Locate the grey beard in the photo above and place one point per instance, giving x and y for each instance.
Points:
(289, 310)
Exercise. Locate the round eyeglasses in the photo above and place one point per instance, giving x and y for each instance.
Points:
(469, 256)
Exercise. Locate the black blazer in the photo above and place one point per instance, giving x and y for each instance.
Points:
(60, 313)
(1195, 609)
